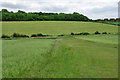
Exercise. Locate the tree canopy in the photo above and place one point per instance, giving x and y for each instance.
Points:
(40, 16)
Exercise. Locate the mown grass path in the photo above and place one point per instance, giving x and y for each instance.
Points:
(75, 58)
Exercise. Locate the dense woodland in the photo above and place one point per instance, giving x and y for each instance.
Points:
(40, 16)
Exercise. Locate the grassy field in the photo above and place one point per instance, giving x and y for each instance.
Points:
(110, 22)
(110, 39)
(55, 27)
(69, 58)
(92, 56)
(19, 56)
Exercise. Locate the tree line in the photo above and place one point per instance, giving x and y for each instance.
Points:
(40, 16)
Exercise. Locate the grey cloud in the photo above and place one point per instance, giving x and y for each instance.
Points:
(86, 7)
(55, 9)
(108, 9)
(104, 12)
(119, 9)
(13, 6)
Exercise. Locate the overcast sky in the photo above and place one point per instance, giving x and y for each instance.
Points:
(92, 8)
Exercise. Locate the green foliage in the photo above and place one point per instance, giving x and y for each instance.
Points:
(34, 35)
(19, 35)
(39, 16)
(4, 10)
(97, 32)
(5, 36)
(104, 33)
(83, 33)
(61, 35)
(38, 35)
(72, 33)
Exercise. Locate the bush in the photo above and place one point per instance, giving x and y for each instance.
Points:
(77, 34)
(72, 33)
(40, 34)
(25, 36)
(19, 35)
(81, 34)
(16, 35)
(104, 33)
(61, 35)
(84, 33)
(33, 35)
(97, 32)
(5, 36)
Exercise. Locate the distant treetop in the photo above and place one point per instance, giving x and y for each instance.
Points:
(41, 16)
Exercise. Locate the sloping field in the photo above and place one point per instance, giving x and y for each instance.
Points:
(55, 27)
(20, 56)
(93, 56)
(69, 58)
(109, 39)
(75, 58)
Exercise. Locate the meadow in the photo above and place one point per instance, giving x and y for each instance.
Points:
(19, 56)
(55, 27)
(110, 39)
(111, 22)
(91, 56)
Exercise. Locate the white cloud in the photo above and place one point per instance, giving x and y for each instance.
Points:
(91, 8)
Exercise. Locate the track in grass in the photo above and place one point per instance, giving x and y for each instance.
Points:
(69, 58)
(66, 57)
(75, 58)
(55, 27)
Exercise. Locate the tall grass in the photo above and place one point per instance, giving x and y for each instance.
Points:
(20, 56)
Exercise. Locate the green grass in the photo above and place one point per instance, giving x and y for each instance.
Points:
(92, 56)
(69, 58)
(110, 39)
(55, 27)
(75, 58)
(21, 55)
(110, 22)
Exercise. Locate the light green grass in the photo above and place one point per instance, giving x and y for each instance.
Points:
(75, 58)
(110, 22)
(55, 27)
(20, 56)
(110, 39)
(68, 57)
